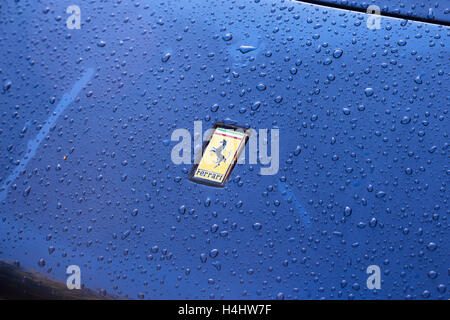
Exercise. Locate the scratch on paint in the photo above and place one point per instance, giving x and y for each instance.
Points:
(34, 143)
(289, 196)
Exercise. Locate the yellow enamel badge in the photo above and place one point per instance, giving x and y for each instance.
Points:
(220, 155)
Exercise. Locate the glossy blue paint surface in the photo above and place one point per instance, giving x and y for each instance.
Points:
(364, 167)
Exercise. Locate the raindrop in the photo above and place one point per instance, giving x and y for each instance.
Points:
(165, 57)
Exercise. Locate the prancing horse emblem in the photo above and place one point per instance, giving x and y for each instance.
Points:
(218, 152)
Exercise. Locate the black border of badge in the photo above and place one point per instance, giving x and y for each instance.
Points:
(236, 155)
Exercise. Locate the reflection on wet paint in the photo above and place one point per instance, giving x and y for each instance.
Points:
(290, 197)
(34, 143)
